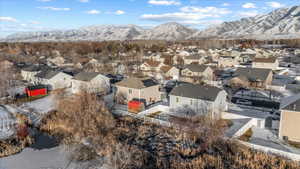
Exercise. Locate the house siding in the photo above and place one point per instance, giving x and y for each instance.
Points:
(263, 65)
(150, 94)
(289, 125)
(201, 106)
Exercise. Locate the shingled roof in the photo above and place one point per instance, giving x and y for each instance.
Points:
(253, 74)
(47, 74)
(208, 93)
(137, 83)
(196, 67)
(194, 57)
(265, 60)
(86, 76)
(152, 63)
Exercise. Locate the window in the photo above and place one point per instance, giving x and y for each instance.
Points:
(130, 91)
(177, 99)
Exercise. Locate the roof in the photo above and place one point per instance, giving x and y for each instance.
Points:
(152, 63)
(196, 67)
(86, 76)
(291, 103)
(209, 93)
(36, 87)
(265, 60)
(31, 68)
(253, 74)
(194, 57)
(165, 69)
(137, 83)
(294, 106)
(47, 74)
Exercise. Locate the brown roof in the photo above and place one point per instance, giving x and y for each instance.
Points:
(137, 83)
(165, 69)
(265, 60)
(152, 63)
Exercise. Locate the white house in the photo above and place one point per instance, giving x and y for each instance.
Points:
(54, 79)
(28, 73)
(92, 82)
(265, 63)
(204, 100)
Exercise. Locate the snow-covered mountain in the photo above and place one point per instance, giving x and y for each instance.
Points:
(284, 22)
(281, 23)
(168, 31)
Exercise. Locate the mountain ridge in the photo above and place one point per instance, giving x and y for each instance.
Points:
(280, 23)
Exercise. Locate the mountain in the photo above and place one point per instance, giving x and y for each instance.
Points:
(93, 33)
(280, 23)
(168, 31)
(284, 22)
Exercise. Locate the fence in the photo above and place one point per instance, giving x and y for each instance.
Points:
(289, 155)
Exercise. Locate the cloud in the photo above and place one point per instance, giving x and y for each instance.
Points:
(249, 5)
(225, 4)
(274, 4)
(84, 1)
(93, 12)
(205, 10)
(34, 22)
(54, 8)
(7, 19)
(189, 15)
(164, 2)
(248, 13)
(119, 12)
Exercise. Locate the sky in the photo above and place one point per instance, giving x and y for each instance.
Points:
(43, 15)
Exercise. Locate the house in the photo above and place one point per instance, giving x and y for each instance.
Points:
(194, 73)
(28, 72)
(170, 72)
(289, 120)
(201, 99)
(151, 66)
(92, 82)
(252, 77)
(138, 88)
(194, 59)
(227, 61)
(53, 79)
(266, 63)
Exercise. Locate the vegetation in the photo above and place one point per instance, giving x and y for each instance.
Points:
(84, 124)
(247, 135)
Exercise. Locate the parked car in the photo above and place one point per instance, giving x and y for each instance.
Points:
(244, 102)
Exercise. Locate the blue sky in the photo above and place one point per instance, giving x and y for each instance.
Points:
(42, 15)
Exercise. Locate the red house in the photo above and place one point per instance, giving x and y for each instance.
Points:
(39, 90)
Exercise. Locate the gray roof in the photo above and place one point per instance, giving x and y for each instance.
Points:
(253, 74)
(196, 67)
(291, 103)
(86, 76)
(137, 83)
(294, 106)
(194, 57)
(208, 93)
(47, 74)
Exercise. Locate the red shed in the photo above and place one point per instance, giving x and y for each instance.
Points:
(135, 106)
(38, 90)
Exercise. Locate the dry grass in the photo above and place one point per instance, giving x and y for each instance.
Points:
(247, 135)
(129, 143)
